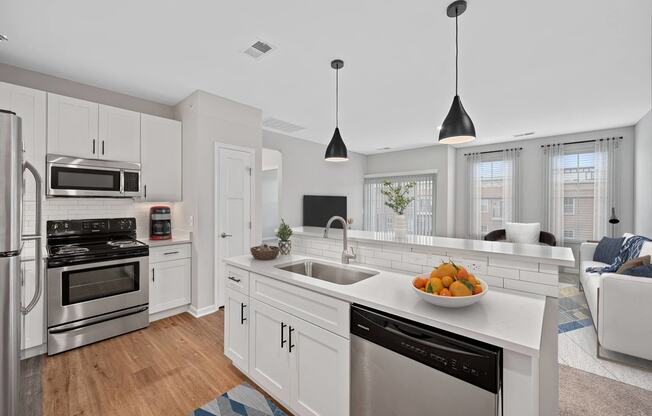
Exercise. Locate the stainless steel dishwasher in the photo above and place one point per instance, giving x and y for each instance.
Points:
(403, 368)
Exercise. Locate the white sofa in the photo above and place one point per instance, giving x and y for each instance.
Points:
(621, 307)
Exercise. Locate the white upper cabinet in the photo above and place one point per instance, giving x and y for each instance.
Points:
(29, 105)
(119, 134)
(161, 158)
(72, 127)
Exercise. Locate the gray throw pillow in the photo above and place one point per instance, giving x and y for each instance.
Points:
(630, 264)
(607, 249)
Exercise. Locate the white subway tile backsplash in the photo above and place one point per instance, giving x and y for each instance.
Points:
(513, 264)
(492, 280)
(378, 262)
(476, 265)
(503, 272)
(408, 267)
(416, 258)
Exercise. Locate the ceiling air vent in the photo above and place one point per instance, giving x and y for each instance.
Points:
(280, 125)
(529, 133)
(259, 49)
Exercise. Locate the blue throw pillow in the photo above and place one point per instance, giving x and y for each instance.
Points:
(640, 271)
(608, 249)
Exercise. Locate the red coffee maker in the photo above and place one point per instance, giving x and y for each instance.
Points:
(160, 223)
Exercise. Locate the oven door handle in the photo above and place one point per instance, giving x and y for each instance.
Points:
(102, 263)
(95, 320)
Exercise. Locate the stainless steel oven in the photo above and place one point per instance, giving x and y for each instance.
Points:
(70, 176)
(83, 291)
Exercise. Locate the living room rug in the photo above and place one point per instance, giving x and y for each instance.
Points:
(242, 400)
(573, 310)
(586, 394)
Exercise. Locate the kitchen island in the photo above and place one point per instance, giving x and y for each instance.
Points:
(518, 314)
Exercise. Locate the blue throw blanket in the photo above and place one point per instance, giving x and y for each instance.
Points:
(629, 250)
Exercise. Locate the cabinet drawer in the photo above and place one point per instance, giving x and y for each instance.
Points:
(237, 279)
(323, 311)
(165, 253)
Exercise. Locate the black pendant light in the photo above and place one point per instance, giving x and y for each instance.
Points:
(457, 127)
(336, 150)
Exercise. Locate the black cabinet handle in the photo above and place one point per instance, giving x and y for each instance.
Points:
(102, 147)
(291, 344)
(153, 274)
(283, 341)
(93, 146)
(171, 252)
(234, 279)
(242, 318)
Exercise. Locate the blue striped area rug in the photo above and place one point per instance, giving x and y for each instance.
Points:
(241, 400)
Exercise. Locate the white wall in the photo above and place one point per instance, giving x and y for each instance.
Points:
(440, 157)
(305, 172)
(49, 83)
(643, 176)
(532, 203)
(209, 119)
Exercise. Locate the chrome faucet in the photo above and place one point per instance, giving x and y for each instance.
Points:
(346, 254)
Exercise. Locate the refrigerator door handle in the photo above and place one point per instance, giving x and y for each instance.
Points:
(36, 237)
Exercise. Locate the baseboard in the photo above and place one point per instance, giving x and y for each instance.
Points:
(34, 351)
(167, 313)
(207, 310)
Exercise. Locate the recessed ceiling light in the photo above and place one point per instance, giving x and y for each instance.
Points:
(3, 38)
(383, 148)
(529, 133)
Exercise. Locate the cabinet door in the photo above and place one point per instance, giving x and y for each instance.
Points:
(34, 322)
(236, 328)
(269, 364)
(119, 134)
(169, 285)
(319, 363)
(160, 144)
(29, 105)
(72, 127)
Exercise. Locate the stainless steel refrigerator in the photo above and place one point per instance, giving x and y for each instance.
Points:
(12, 168)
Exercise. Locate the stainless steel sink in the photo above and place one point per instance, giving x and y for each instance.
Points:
(334, 273)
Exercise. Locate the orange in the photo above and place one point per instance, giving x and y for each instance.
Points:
(420, 282)
(471, 278)
(458, 288)
(447, 280)
(444, 292)
(435, 285)
(444, 269)
(462, 273)
(477, 289)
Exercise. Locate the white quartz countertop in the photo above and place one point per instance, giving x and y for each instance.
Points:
(559, 256)
(178, 237)
(510, 320)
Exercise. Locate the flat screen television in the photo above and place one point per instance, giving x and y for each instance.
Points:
(318, 209)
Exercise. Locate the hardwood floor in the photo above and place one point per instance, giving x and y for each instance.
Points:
(170, 368)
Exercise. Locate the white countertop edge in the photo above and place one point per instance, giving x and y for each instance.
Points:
(558, 256)
(178, 237)
(530, 348)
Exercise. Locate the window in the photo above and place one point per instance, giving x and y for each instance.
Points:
(491, 189)
(419, 214)
(569, 206)
(579, 173)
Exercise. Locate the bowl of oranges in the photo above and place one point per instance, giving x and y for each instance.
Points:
(450, 285)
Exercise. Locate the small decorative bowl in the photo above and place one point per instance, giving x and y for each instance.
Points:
(451, 301)
(264, 252)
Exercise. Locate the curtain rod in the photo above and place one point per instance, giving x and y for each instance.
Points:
(494, 151)
(583, 141)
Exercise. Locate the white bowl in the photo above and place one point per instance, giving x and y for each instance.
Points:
(451, 301)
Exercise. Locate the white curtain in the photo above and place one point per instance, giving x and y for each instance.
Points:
(553, 190)
(605, 188)
(474, 189)
(511, 185)
(419, 214)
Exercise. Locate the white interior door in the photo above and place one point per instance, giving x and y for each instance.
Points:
(234, 187)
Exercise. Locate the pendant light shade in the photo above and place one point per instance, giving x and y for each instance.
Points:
(336, 150)
(458, 126)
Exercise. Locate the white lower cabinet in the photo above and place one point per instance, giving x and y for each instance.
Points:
(169, 281)
(236, 328)
(302, 365)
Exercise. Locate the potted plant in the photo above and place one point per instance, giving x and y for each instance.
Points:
(284, 232)
(398, 198)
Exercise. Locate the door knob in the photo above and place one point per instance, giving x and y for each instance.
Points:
(224, 235)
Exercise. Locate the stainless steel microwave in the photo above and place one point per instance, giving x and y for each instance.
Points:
(71, 176)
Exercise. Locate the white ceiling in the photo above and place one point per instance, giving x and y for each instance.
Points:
(547, 66)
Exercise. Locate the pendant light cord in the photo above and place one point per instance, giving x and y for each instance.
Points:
(456, 50)
(337, 97)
